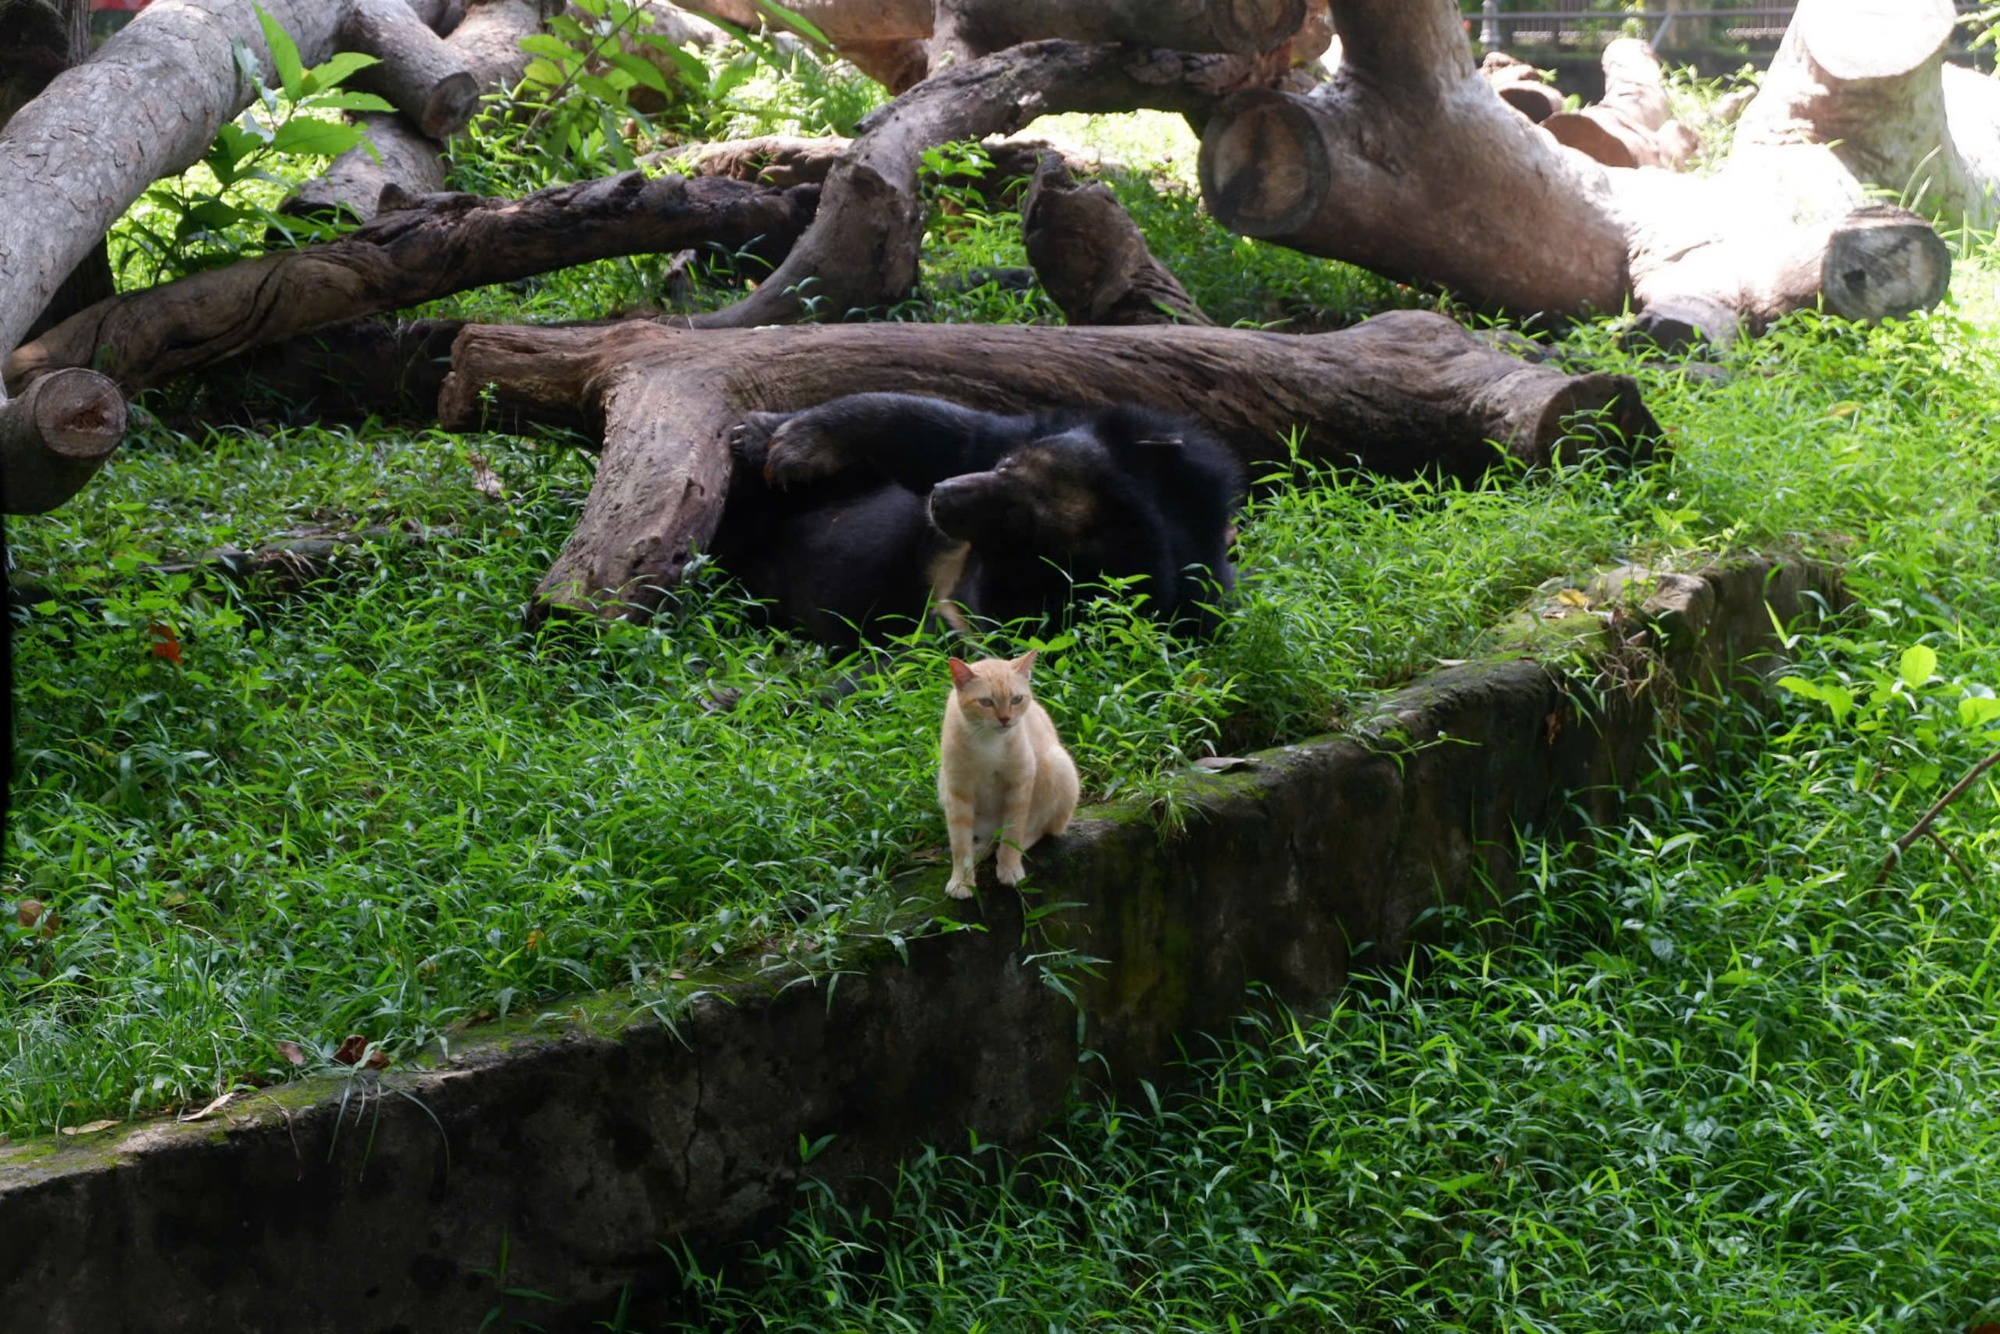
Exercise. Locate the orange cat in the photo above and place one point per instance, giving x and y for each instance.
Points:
(1003, 774)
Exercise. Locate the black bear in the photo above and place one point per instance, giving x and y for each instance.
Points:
(865, 509)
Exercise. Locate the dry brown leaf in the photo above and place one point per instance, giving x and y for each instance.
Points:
(350, 1050)
(292, 1052)
(1222, 764)
(88, 1128)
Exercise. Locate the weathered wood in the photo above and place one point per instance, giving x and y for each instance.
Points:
(388, 369)
(147, 105)
(1868, 80)
(418, 73)
(966, 29)
(1092, 258)
(1521, 86)
(422, 249)
(55, 436)
(486, 41)
(1411, 166)
(1404, 392)
(1633, 125)
(861, 252)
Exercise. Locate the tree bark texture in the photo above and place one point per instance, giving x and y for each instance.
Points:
(430, 248)
(966, 29)
(1521, 86)
(486, 42)
(1407, 163)
(38, 40)
(147, 105)
(861, 252)
(1867, 78)
(1092, 258)
(1633, 125)
(55, 436)
(419, 74)
(1405, 392)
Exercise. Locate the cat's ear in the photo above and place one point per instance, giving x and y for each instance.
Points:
(960, 673)
(1025, 664)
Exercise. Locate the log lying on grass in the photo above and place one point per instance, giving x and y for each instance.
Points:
(55, 437)
(1870, 82)
(1633, 125)
(1408, 164)
(861, 252)
(423, 249)
(148, 104)
(485, 42)
(1405, 392)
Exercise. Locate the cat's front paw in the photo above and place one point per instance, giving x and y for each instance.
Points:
(1009, 872)
(958, 889)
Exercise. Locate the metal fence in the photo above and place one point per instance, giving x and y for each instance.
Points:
(1573, 25)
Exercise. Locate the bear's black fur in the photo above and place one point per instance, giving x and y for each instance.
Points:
(850, 516)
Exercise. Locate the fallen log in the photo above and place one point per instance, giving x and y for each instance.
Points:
(1092, 258)
(966, 29)
(1521, 86)
(861, 252)
(421, 249)
(1875, 89)
(485, 40)
(148, 104)
(55, 436)
(1408, 164)
(388, 369)
(1633, 124)
(1403, 393)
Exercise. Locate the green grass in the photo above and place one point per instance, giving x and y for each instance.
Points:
(1706, 1077)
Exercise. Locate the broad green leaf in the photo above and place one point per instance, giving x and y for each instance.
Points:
(567, 28)
(794, 20)
(642, 71)
(1974, 711)
(336, 71)
(1919, 661)
(350, 101)
(541, 44)
(326, 138)
(290, 69)
(543, 72)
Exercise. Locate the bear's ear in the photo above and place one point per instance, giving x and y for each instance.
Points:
(960, 673)
(1025, 664)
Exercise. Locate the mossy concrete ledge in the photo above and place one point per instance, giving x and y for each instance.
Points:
(578, 1147)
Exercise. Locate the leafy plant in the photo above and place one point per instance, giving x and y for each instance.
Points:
(221, 210)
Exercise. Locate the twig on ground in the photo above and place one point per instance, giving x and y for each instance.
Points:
(1923, 826)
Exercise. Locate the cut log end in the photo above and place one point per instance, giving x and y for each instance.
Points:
(1873, 39)
(55, 437)
(1589, 137)
(1596, 412)
(1884, 263)
(1263, 168)
(449, 106)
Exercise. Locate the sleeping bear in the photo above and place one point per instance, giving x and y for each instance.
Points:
(854, 516)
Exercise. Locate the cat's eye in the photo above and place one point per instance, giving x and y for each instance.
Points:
(985, 703)
(1017, 699)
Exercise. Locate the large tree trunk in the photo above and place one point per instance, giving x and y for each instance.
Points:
(861, 252)
(485, 41)
(1408, 163)
(1874, 88)
(965, 29)
(1404, 392)
(38, 40)
(420, 250)
(147, 105)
